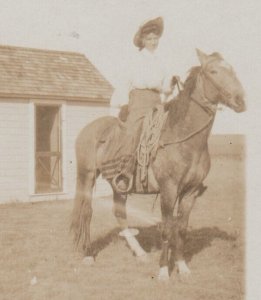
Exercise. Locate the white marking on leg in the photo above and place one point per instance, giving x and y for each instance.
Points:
(132, 231)
(133, 243)
(183, 268)
(163, 273)
(88, 260)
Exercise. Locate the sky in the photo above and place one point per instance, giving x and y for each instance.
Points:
(103, 30)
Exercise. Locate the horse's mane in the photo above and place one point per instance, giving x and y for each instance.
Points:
(178, 106)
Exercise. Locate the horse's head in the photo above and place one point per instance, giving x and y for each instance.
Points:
(220, 82)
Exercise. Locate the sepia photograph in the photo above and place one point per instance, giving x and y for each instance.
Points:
(129, 150)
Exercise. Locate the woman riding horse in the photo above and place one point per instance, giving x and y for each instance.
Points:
(179, 167)
(148, 82)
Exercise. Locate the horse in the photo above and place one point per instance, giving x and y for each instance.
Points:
(179, 167)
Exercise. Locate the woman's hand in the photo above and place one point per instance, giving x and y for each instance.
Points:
(175, 80)
(123, 113)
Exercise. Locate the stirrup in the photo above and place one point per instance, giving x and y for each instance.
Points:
(115, 183)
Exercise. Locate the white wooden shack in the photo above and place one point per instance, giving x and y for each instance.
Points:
(46, 97)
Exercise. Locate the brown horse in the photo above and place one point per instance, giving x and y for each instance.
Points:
(179, 167)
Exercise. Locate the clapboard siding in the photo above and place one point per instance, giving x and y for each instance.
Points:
(76, 118)
(14, 154)
(16, 136)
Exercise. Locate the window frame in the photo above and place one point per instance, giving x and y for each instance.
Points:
(32, 139)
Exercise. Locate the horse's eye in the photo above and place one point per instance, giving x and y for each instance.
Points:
(213, 72)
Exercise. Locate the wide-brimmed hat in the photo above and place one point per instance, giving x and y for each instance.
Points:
(155, 25)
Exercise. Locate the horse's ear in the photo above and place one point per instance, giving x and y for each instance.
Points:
(201, 56)
(218, 55)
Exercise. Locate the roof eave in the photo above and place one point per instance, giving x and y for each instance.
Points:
(101, 100)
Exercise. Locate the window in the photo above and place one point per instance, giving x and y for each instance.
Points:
(48, 155)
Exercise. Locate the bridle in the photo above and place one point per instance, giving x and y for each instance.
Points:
(221, 91)
(204, 102)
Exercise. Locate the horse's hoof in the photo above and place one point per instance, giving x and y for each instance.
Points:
(163, 274)
(129, 231)
(88, 260)
(182, 267)
(183, 270)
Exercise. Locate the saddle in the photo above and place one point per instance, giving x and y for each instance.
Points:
(148, 143)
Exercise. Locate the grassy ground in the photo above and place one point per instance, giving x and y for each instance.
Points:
(38, 260)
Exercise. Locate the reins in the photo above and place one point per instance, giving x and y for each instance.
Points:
(208, 107)
(191, 134)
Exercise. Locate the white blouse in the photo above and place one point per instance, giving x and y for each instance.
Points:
(146, 71)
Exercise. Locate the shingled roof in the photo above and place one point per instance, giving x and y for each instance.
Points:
(35, 73)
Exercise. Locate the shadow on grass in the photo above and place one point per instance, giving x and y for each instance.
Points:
(197, 239)
(150, 239)
(103, 241)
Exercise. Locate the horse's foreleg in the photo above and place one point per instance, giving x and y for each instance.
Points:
(168, 201)
(119, 210)
(184, 209)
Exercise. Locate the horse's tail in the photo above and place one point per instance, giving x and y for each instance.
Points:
(82, 211)
(86, 154)
(78, 222)
(86, 176)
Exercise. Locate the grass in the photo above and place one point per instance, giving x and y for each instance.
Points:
(38, 260)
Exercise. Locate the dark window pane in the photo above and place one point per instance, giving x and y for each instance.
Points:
(48, 149)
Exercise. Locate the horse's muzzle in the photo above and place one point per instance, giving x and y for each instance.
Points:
(238, 104)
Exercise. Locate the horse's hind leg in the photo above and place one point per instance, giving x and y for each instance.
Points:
(82, 213)
(119, 210)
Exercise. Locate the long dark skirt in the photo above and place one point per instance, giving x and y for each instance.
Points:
(123, 141)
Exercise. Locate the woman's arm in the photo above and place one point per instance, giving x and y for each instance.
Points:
(168, 87)
(120, 95)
